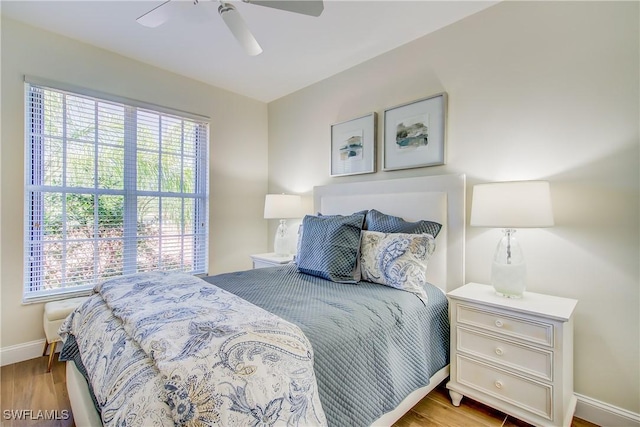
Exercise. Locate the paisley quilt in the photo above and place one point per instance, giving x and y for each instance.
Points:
(170, 349)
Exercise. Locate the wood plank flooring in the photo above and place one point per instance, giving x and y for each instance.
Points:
(27, 387)
(34, 397)
(436, 409)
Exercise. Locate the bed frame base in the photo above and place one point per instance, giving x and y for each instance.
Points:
(84, 412)
(411, 400)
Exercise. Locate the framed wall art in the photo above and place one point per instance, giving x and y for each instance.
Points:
(414, 134)
(353, 146)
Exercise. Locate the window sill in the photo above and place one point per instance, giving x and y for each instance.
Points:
(40, 299)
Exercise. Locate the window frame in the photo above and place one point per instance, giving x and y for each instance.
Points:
(200, 194)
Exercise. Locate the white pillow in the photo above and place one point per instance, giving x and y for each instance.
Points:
(398, 260)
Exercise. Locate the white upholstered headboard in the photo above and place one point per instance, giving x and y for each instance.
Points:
(439, 198)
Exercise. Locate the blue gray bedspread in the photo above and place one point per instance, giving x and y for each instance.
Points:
(373, 344)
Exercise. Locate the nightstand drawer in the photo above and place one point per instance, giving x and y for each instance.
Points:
(531, 360)
(525, 329)
(523, 393)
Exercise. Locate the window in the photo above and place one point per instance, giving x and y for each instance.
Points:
(111, 189)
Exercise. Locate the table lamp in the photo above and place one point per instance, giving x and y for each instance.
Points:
(511, 205)
(282, 207)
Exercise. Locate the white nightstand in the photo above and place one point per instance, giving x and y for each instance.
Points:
(270, 260)
(515, 355)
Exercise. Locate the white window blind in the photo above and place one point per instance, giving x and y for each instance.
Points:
(111, 189)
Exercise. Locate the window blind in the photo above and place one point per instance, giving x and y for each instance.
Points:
(111, 189)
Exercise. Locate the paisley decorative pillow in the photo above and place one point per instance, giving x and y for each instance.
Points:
(398, 260)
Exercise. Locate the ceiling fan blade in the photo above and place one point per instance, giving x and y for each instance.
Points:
(239, 29)
(156, 16)
(305, 7)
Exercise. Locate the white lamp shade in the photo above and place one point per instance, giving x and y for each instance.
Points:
(516, 204)
(282, 206)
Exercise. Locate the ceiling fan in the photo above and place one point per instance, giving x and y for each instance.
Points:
(160, 14)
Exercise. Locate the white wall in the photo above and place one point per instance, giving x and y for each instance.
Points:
(237, 181)
(537, 90)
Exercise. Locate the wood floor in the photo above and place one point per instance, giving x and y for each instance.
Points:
(29, 392)
(32, 397)
(436, 410)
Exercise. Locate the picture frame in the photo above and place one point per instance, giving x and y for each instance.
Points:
(415, 134)
(353, 146)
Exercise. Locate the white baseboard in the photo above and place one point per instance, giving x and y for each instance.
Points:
(603, 414)
(594, 411)
(21, 352)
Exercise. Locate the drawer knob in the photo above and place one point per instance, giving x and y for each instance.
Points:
(499, 351)
(498, 384)
(499, 323)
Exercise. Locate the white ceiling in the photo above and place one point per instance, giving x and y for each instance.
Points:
(299, 50)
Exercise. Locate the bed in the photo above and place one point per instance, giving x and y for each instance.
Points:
(331, 385)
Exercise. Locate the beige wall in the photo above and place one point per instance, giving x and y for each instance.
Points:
(237, 181)
(542, 90)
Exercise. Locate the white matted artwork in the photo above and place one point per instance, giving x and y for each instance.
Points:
(415, 133)
(353, 146)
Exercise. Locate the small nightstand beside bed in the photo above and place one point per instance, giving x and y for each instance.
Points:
(515, 355)
(298, 348)
(270, 260)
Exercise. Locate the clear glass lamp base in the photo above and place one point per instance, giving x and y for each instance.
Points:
(508, 279)
(280, 244)
(508, 271)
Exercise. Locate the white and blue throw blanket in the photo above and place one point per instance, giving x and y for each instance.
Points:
(167, 349)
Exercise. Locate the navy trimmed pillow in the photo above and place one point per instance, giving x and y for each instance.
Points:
(378, 221)
(330, 247)
(398, 260)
